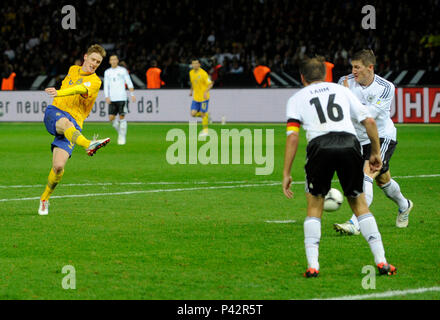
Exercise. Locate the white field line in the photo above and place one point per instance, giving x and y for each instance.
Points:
(183, 183)
(418, 176)
(281, 221)
(134, 183)
(386, 294)
(146, 191)
(261, 183)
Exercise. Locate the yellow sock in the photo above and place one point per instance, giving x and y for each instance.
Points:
(52, 182)
(205, 121)
(75, 136)
(83, 141)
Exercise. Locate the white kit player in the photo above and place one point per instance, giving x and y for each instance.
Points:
(325, 110)
(115, 79)
(376, 94)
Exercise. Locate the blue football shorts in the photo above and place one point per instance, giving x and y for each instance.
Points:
(200, 106)
(51, 116)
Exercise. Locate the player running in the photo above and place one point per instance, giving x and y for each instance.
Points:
(64, 118)
(115, 79)
(325, 111)
(376, 94)
(200, 86)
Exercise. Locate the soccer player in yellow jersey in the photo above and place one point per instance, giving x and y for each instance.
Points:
(200, 86)
(65, 117)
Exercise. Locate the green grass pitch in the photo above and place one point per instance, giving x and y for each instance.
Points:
(129, 238)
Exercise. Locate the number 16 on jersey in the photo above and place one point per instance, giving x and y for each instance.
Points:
(334, 111)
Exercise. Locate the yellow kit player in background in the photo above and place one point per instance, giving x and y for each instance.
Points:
(65, 117)
(200, 86)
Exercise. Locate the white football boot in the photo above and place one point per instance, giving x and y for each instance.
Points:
(95, 145)
(346, 228)
(402, 217)
(204, 133)
(43, 210)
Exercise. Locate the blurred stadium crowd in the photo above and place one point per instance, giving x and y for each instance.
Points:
(236, 34)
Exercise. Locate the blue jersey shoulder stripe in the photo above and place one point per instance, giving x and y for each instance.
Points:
(349, 76)
(382, 82)
(385, 91)
(387, 86)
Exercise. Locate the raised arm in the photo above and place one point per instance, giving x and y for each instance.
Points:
(79, 89)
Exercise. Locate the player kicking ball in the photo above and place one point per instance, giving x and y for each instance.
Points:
(376, 94)
(325, 111)
(65, 117)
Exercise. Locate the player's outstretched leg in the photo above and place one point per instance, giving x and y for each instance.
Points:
(75, 136)
(370, 231)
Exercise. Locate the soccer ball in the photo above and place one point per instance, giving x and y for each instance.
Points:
(333, 200)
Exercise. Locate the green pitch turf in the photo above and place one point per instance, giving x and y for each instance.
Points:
(132, 230)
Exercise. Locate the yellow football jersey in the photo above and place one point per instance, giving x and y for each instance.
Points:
(200, 81)
(79, 105)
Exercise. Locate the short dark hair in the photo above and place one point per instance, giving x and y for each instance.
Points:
(313, 69)
(366, 56)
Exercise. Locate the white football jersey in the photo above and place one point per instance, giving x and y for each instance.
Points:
(377, 97)
(114, 83)
(325, 107)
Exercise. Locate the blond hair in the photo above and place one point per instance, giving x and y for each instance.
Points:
(96, 48)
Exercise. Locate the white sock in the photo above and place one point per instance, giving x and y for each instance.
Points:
(392, 191)
(371, 233)
(368, 189)
(116, 124)
(355, 221)
(312, 236)
(123, 127)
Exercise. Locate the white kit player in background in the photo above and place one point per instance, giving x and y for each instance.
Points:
(376, 94)
(325, 110)
(115, 79)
